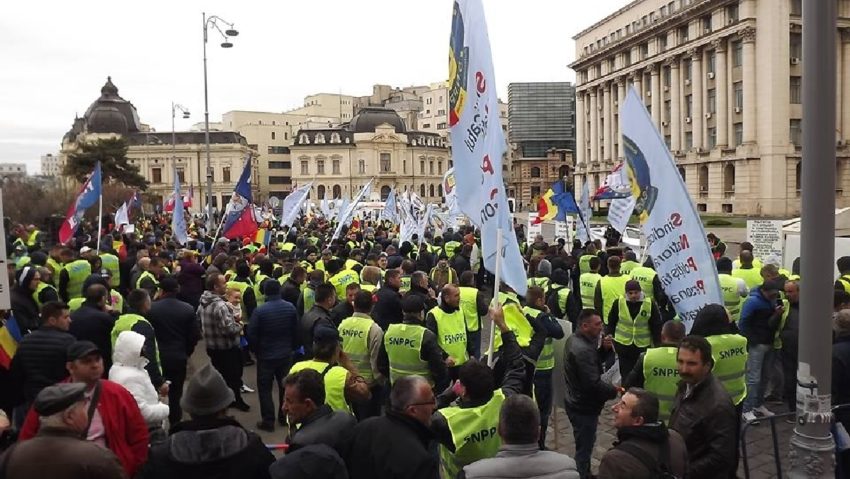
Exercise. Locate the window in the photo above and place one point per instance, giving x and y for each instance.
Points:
(710, 61)
(422, 190)
(732, 13)
(156, 175)
(337, 191)
(535, 192)
(796, 9)
(687, 68)
(729, 179)
(689, 105)
(738, 88)
(712, 101)
(278, 150)
(644, 51)
(689, 140)
(739, 133)
(441, 112)
(279, 165)
(422, 167)
(431, 167)
(667, 141)
(320, 138)
(181, 175)
(225, 174)
(272, 135)
(796, 90)
(712, 137)
(304, 168)
(706, 24)
(361, 167)
(431, 191)
(278, 180)
(627, 58)
(335, 167)
(441, 126)
(797, 132)
(440, 167)
(662, 43)
(666, 74)
(426, 125)
(683, 34)
(404, 166)
(737, 53)
(320, 192)
(535, 172)
(667, 111)
(796, 46)
(385, 162)
(320, 167)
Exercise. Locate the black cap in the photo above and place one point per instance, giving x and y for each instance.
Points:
(81, 349)
(325, 334)
(59, 397)
(412, 304)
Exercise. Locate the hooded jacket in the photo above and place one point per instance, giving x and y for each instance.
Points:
(758, 323)
(128, 370)
(619, 463)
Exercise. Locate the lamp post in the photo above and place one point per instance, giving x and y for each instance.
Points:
(226, 34)
(174, 108)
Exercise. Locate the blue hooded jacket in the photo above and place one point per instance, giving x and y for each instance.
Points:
(755, 318)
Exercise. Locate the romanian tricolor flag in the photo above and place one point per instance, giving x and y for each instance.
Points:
(10, 336)
(263, 237)
(555, 204)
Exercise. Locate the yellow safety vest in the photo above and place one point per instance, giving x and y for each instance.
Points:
(546, 360)
(110, 263)
(355, 342)
(626, 267)
(729, 352)
(844, 280)
(75, 304)
(125, 322)
(403, 343)
(633, 330)
(341, 280)
(37, 294)
(661, 377)
(584, 263)
(259, 296)
(469, 306)
(335, 378)
(474, 434)
(750, 276)
(451, 334)
(146, 274)
(541, 282)
(78, 271)
(515, 320)
(55, 268)
(777, 338)
(613, 288)
(645, 276)
(731, 299)
(587, 288)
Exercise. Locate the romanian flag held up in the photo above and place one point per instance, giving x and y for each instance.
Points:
(555, 204)
(263, 237)
(10, 336)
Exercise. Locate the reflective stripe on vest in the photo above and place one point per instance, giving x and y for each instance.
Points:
(731, 299)
(451, 334)
(541, 282)
(633, 330)
(661, 377)
(729, 352)
(474, 434)
(355, 342)
(587, 288)
(645, 276)
(335, 378)
(403, 343)
(613, 288)
(469, 306)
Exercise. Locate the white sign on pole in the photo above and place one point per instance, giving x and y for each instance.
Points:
(5, 303)
(766, 237)
(533, 229)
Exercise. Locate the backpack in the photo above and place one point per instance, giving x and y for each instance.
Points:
(659, 468)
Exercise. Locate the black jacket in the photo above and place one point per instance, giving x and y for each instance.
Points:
(40, 360)
(90, 323)
(422, 294)
(291, 291)
(706, 420)
(324, 426)
(273, 330)
(649, 438)
(24, 308)
(307, 325)
(568, 311)
(393, 446)
(210, 448)
(308, 463)
(341, 311)
(586, 391)
(176, 327)
(841, 377)
(387, 308)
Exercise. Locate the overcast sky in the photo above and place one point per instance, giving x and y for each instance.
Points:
(57, 54)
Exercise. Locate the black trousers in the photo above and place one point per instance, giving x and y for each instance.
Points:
(174, 370)
(229, 363)
(628, 356)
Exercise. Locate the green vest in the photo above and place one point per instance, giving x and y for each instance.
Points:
(646, 277)
(541, 282)
(731, 299)
(451, 247)
(515, 320)
(757, 264)
(613, 288)
(403, 343)
(661, 377)
(75, 304)
(546, 360)
(844, 280)
(469, 306)
(335, 378)
(355, 342)
(451, 334)
(474, 434)
(729, 352)
(286, 246)
(32, 239)
(405, 284)
(55, 268)
(37, 294)
(626, 267)
(750, 276)
(22, 261)
(584, 263)
(633, 331)
(350, 264)
(146, 274)
(110, 262)
(341, 280)
(309, 298)
(259, 295)
(125, 322)
(587, 288)
(777, 338)
(563, 293)
(78, 270)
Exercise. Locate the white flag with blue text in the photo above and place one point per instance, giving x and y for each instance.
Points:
(478, 142)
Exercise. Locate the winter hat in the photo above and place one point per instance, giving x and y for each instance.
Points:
(544, 267)
(24, 276)
(632, 285)
(207, 393)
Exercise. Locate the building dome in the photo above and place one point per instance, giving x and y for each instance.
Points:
(369, 118)
(110, 113)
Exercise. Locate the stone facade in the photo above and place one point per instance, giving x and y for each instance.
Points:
(532, 177)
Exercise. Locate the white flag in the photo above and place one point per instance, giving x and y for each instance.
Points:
(390, 211)
(583, 224)
(292, 204)
(348, 212)
(619, 212)
(122, 217)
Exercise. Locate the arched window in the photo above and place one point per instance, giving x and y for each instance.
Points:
(440, 189)
(337, 191)
(798, 177)
(431, 191)
(385, 192)
(563, 171)
(422, 190)
(320, 192)
(535, 172)
(702, 177)
(334, 137)
(729, 179)
(320, 138)
(303, 139)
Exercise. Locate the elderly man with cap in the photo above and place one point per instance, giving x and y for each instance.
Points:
(115, 422)
(210, 444)
(63, 413)
(635, 324)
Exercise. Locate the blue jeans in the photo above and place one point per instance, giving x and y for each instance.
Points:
(584, 432)
(270, 371)
(543, 395)
(756, 377)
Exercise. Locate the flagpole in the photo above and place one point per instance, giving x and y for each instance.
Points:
(496, 283)
(99, 217)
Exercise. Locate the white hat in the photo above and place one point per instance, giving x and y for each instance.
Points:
(85, 249)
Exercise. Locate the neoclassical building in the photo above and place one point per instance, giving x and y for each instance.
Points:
(722, 80)
(112, 116)
(375, 143)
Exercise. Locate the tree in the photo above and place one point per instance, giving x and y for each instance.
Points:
(112, 154)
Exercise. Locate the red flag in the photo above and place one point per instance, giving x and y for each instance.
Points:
(244, 225)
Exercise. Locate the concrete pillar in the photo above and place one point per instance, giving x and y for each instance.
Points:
(722, 93)
(675, 106)
(656, 95)
(748, 38)
(613, 121)
(621, 97)
(697, 120)
(636, 79)
(581, 146)
(594, 128)
(845, 84)
(606, 126)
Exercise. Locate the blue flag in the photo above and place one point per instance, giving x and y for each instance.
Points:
(243, 186)
(178, 220)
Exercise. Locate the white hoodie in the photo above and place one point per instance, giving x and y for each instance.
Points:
(128, 370)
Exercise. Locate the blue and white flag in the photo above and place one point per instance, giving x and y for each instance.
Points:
(674, 234)
(619, 213)
(390, 211)
(178, 220)
(424, 221)
(478, 141)
(292, 204)
(348, 213)
(583, 224)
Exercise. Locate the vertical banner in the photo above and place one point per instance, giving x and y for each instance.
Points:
(478, 141)
(583, 224)
(674, 234)
(533, 228)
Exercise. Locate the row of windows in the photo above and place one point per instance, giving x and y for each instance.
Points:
(336, 191)
(385, 164)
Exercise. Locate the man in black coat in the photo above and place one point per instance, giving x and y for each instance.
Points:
(177, 332)
(387, 308)
(92, 323)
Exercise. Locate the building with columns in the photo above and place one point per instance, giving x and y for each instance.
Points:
(722, 80)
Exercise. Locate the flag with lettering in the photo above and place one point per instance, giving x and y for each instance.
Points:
(86, 198)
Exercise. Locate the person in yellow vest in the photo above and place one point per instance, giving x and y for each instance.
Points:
(343, 383)
(788, 340)
(56, 259)
(327, 256)
(138, 304)
(537, 312)
(747, 246)
(590, 252)
(149, 279)
(109, 261)
(408, 267)
(311, 419)
(263, 274)
(629, 262)
(843, 281)
(635, 324)
(561, 301)
(541, 276)
(610, 287)
(345, 308)
(734, 289)
(474, 305)
(589, 281)
(409, 348)
(340, 277)
(242, 281)
(74, 274)
(361, 342)
(370, 278)
(468, 432)
(656, 369)
(45, 291)
(447, 322)
(443, 274)
(748, 271)
(650, 284)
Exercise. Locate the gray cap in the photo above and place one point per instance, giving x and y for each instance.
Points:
(59, 397)
(207, 393)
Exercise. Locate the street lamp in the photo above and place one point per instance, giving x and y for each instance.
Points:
(226, 34)
(174, 108)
